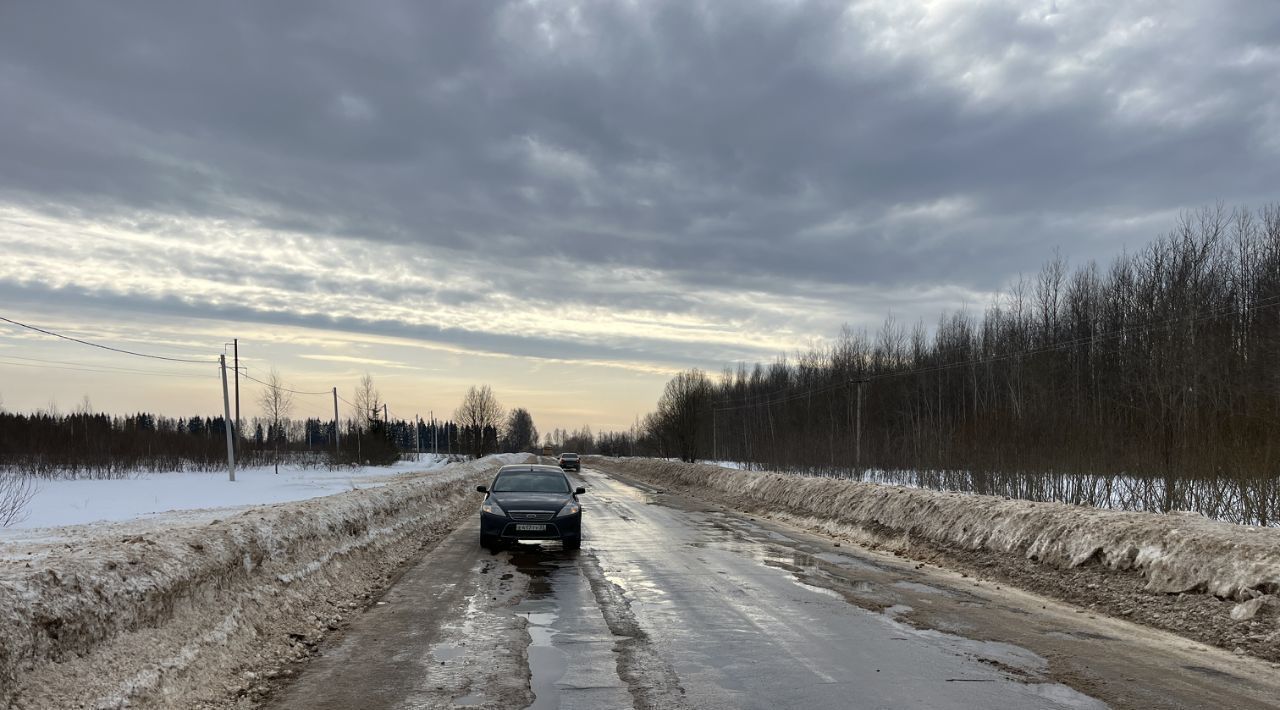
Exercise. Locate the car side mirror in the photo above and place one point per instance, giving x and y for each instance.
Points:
(482, 489)
(579, 491)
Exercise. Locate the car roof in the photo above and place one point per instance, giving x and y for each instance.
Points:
(567, 453)
(540, 468)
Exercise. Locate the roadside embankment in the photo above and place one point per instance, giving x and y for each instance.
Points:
(200, 615)
(1145, 566)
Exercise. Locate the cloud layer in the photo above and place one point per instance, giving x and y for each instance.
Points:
(646, 185)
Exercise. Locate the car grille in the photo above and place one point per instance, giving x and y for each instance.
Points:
(530, 515)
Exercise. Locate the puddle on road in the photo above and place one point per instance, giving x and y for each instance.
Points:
(814, 588)
(547, 664)
(811, 573)
(997, 652)
(861, 583)
(445, 652)
(847, 562)
(1078, 635)
(922, 588)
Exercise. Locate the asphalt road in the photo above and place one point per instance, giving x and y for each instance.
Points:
(673, 603)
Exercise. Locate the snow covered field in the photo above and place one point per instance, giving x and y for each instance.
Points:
(83, 501)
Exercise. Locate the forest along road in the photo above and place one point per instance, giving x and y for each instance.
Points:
(674, 603)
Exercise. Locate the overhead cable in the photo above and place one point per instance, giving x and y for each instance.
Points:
(247, 376)
(48, 365)
(104, 347)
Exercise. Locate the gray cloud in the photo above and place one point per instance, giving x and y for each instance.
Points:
(815, 150)
(622, 351)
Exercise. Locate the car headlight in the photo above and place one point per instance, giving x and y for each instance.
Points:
(491, 507)
(569, 509)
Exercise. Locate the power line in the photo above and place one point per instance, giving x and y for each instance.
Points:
(104, 347)
(247, 376)
(90, 369)
(789, 398)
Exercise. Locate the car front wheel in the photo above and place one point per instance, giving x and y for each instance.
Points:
(488, 542)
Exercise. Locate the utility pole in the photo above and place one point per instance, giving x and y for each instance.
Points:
(235, 344)
(226, 420)
(385, 420)
(417, 439)
(337, 437)
(857, 456)
(435, 434)
(715, 451)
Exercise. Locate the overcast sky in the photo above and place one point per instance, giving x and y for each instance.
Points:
(570, 201)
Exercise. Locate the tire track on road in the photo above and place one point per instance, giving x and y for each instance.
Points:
(652, 682)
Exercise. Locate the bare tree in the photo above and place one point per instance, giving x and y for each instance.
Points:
(520, 433)
(367, 402)
(277, 404)
(479, 416)
(16, 491)
(683, 408)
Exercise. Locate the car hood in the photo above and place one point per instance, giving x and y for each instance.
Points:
(520, 500)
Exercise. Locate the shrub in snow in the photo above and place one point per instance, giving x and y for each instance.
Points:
(16, 490)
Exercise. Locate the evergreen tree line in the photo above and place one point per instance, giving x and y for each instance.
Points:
(96, 445)
(1153, 383)
(86, 444)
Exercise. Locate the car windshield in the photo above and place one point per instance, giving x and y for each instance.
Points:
(568, 456)
(530, 481)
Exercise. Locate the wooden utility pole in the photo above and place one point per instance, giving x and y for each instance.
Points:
(715, 451)
(235, 344)
(417, 439)
(857, 455)
(226, 420)
(337, 437)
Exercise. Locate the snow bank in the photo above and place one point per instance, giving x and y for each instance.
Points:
(79, 501)
(151, 614)
(1180, 552)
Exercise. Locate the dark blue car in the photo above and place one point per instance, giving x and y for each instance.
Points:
(530, 502)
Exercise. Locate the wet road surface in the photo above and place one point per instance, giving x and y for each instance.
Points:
(673, 603)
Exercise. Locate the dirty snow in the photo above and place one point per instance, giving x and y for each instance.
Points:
(160, 611)
(81, 501)
(1176, 552)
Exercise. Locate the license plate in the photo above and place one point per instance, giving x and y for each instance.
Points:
(531, 528)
